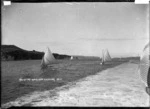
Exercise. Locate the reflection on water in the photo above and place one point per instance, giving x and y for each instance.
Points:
(49, 73)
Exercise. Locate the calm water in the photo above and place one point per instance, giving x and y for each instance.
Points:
(18, 77)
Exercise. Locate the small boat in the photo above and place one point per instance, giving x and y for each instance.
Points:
(47, 59)
(105, 56)
(71, 58)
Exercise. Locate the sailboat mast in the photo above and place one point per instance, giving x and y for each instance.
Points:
(102, 56)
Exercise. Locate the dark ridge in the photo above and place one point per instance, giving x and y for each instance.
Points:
(12, 52)
(9, 48)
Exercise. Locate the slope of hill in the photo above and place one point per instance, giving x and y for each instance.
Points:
(12, 52)
(9, 48)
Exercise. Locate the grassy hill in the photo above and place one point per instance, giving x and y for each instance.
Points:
(12, 52)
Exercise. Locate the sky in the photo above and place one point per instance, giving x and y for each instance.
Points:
(77, 28)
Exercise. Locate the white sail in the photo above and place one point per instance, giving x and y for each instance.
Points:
(144, 63)
(71, 58)
(47, 58)
(106, 56)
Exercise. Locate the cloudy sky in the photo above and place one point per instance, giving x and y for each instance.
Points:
(77, 28)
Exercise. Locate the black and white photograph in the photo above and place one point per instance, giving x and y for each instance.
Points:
(78, 54)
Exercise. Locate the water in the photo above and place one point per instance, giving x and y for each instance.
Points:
(23, 77)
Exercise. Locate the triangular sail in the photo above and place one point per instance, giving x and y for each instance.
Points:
(144, 64)
(47, 59)
(106, 56)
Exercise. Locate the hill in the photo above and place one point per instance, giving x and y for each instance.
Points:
(12, 52)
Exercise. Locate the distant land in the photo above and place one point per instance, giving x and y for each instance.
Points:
(12, 52)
